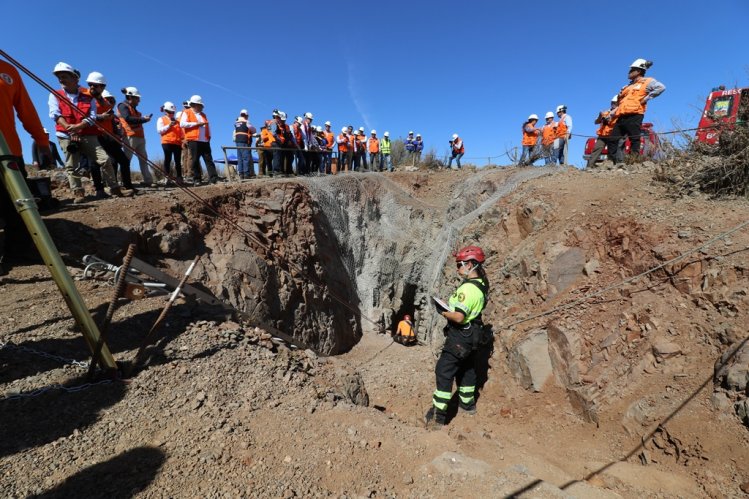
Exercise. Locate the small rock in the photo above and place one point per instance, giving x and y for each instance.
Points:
(408, 480)
(666, 349)
(590, 267)
(287, 459)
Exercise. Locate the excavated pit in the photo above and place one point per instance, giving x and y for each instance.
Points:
(329, 258)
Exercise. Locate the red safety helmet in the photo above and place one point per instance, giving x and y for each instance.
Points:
(470, 253)
(407, 318)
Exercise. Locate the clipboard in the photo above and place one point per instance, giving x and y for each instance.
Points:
(441, 305)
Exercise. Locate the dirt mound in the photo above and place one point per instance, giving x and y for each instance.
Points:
(599, 385)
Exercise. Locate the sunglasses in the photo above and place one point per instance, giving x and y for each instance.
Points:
(96, 85)
(461, 264)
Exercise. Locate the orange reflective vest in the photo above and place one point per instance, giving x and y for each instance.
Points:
(548, 133)
(329, 140)
(361, 143)
(297, 129)
(373, 145)
(192, 134)
(343, 143)
(353, 143)
(530, 138)
(458, 147)
(607, 125)
(561, 129)
(631, 95)
(266, 138)
(173, 135)
(102, 107)
(132, 130)
(405, 329)
(282, 132)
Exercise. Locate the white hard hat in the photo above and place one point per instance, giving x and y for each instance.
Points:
(386, 134)
(298, 119)
(410, 133)
(373, 132)
(106, 94)
(549, 115)
(641, 64)
(615, 98)
(533, 117)
(344, 129)
(318, 128)
(418, 135)
(196, 99)
(96, 77)
(561, 107)
(281, 115)
(131, 92)
(361, 128)
(327, 123)
(169, 106)
(243, 111)
(63, 67)
(308, 116)
(455, 136)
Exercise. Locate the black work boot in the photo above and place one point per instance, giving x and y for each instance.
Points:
(434, 419)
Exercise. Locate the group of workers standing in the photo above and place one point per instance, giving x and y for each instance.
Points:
(622, 121)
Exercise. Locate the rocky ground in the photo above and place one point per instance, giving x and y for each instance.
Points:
(620, 389)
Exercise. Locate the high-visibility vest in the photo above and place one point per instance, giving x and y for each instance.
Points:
(282, 133)
(329, 140)
(385, 145)
(131, 130)
(607, 126)
(173, 135)
(529, 138)
(353, 143)
(297, 129)
(548, 133)
(75, 117)
(192, 134)
(561, 129)
(631, 95)
(241, 132)
(266, 137)
(343, 143)
(102, 107)
(373, 145)
(405, 329)
(458, 147)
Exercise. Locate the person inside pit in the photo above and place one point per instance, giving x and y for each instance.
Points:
(405, 334)
(463, 337)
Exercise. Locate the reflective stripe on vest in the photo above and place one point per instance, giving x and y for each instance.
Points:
(329, 140)
(468, 299)
(174, 135)
(385, 146)
(631, 95)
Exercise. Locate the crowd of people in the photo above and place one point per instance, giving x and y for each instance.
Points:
(622, 121)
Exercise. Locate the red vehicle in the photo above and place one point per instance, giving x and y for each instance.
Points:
(722, 107)
(649, 144)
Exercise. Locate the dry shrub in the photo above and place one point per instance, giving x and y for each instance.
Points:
(720, 170)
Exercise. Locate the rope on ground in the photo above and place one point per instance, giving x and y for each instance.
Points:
(630, 279)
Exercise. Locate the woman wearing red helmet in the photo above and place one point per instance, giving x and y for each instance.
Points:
(462, 333)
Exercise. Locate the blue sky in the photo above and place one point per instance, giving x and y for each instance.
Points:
(475, 68)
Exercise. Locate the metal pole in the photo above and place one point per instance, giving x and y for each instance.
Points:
(26, 207)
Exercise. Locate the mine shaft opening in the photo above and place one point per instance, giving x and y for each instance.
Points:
(407, 307)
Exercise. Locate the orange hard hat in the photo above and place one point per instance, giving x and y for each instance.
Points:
(470, 253)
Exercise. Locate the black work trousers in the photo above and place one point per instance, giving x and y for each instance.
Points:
(628, 125)
(172, 151)
(120, 163)
(199, 150)
(457, 362)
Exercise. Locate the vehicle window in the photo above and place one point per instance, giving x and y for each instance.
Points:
(722, 106)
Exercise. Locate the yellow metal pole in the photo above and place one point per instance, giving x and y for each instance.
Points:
(25, 205)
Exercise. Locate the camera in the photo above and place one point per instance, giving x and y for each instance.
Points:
(73, 147)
